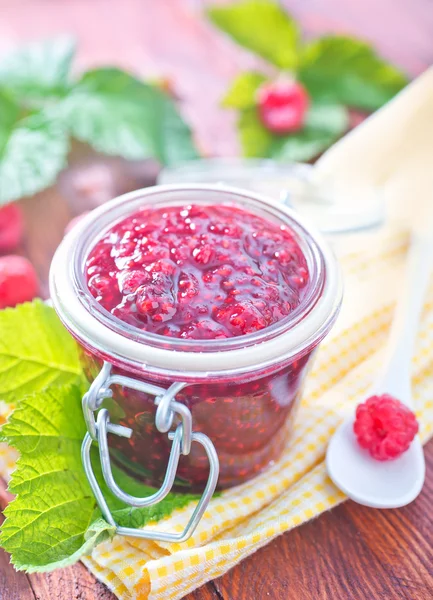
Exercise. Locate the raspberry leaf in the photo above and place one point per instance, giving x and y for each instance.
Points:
(263, 27)
(242, 93)
(54, 519)
(34, 150)
(9, 113)
(47, 522)
(256, 141)
(38, 70)
(325, 123)
(118, 114)
(41, 105)
(139, 517)
(348, 71)
(35, 351)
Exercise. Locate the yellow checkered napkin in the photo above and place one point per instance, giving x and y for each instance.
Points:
(297, 488)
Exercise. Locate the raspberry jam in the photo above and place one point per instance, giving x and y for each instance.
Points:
(213, 288)
(198, 272)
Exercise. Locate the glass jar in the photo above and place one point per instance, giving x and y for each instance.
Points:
(241, 392)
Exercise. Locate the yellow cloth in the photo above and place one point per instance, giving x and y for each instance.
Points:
(295, 489)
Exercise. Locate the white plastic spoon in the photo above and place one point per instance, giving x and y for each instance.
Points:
(396, 482)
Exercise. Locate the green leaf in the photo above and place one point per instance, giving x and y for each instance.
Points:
(263, 27)
(36, 351)
(39, 69)
(118, 114)
(9, 112)
(46, 524)
(32, 153)
(139, 517)
(256, 141)
(348, 71)
(54, 520)
(173, 136)
(325, 123)
(242, 93)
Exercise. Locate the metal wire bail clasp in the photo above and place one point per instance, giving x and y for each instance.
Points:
(182, 438)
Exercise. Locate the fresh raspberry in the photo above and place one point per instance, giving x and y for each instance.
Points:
(283, 105)
(385, 427)
(11, 227)
(18, 281)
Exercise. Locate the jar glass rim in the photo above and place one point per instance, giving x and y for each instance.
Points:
(76, 246)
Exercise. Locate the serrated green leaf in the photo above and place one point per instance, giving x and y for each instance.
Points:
(263, 27)
(34, 151)
(256, 141)
(98, 532)
(35, 351)
(9, 112)
(118, 114)
(49, 524)
(348, 71)
(38, 70)
(47, 521)
(54, 520)
(139, 517)
(324, 124)
(242, 93)
(173, 136)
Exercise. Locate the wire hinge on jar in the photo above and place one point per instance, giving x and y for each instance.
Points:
(182, 438)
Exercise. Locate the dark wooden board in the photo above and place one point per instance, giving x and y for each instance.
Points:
(350, 553)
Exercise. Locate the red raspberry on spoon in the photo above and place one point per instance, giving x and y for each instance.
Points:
(283, 105)
(385, 427)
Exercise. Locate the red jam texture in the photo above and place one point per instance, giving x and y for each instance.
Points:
(198, 271)
(248, 419)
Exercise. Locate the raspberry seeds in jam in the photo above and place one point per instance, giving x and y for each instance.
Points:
(198, 271)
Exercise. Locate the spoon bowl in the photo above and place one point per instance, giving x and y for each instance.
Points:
(389, 484)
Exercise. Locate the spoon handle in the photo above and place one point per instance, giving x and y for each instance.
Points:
(396, 376)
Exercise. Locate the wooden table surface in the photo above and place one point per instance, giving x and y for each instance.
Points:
(351, 552)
